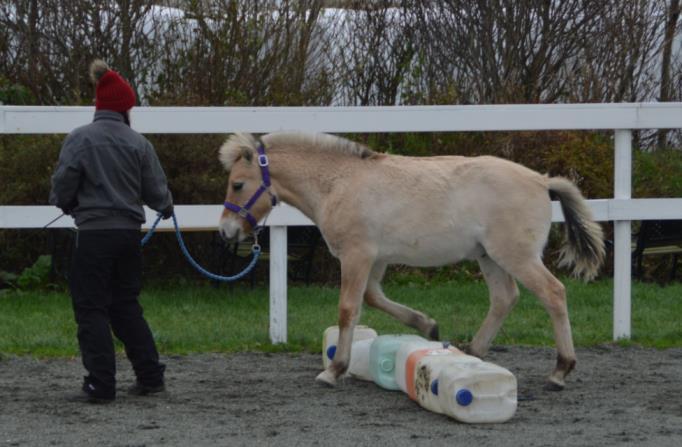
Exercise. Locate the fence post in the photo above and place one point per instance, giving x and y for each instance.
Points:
(622, 249)
(278, 284)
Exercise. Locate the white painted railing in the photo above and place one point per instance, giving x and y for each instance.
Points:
(622, 118)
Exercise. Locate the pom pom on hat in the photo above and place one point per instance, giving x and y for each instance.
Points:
(112, 92)
(97, 68)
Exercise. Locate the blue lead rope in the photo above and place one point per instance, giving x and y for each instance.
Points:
(255, 249)
(150, 233)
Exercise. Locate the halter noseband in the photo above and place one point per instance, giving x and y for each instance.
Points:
(245, 211)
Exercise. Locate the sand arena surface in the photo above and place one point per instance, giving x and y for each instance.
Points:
(616, 396)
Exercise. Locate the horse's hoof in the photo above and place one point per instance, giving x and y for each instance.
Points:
(433, 334)
(554, 384)
(326, 378)
(466, 348)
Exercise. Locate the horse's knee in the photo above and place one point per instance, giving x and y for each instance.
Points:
(556, 299)
(372, 298)
(500, 307)
(347, 314)
(511, 295)
(502, 303)
(558, 290)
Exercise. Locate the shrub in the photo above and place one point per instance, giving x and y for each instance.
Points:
(196, 177)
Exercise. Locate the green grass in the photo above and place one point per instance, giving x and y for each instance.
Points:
(187, 319)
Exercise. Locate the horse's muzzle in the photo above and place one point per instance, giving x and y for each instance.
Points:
(230, 230)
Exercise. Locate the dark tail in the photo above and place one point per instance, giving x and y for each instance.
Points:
(583, 249)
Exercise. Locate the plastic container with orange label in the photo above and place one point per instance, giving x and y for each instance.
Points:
(405, 350)
(461, 386)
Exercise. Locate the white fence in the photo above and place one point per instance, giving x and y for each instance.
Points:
(621, 118)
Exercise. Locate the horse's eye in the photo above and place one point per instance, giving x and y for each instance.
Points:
(237, 186)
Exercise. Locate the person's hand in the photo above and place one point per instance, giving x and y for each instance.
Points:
(167, 213)
(68, 209)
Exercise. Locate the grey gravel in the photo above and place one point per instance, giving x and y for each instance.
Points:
(617, 396)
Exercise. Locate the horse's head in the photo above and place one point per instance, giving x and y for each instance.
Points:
(249, 197)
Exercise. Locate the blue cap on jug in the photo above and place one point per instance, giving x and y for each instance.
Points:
(464, 397)
(434, 387)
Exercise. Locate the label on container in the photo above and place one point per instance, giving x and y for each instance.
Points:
(424, 375)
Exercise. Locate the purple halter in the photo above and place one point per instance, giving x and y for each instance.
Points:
(245, 211)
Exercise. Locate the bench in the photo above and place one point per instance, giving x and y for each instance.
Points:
(657, 237)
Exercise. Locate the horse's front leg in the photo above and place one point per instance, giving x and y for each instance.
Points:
(374, 296)
(354, 273)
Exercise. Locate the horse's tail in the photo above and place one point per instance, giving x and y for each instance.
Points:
(583, 248)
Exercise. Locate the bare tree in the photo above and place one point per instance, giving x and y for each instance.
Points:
(619, 64)
(239, 53)
(54, 41)
(372, 53)
(497, 51)
(502, 50)
(666, 58)
(382, 52)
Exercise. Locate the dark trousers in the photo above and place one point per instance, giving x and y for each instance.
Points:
(105, 281)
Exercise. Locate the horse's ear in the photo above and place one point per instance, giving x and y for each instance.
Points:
(247, 153)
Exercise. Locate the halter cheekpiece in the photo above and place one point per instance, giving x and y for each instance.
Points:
(245, 211)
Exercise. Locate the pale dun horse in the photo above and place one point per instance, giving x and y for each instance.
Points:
(376, 209)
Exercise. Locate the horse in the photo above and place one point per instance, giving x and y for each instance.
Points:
(375, 209)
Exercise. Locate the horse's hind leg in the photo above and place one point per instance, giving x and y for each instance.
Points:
(355, 269)
(552, 293)
(374, 296)
(503, 296)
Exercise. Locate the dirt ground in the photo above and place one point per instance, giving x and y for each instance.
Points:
(617, 396)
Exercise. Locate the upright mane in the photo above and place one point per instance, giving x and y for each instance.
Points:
(318, 141)
(244, 144)
(238, 145)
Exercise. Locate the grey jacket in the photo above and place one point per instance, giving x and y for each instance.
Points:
(106, 171)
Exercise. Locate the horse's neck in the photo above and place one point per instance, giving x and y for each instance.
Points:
(303, 180)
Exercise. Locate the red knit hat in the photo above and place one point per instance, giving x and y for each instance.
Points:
(112, 91)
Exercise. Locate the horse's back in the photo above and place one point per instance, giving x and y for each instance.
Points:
(436, 210)
(470, 184)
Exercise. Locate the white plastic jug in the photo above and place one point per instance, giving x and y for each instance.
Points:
(426, 366)
(359, 359)
(440, 356)
(382, 358)
(477, 392)
(331, 337)
(403, 353)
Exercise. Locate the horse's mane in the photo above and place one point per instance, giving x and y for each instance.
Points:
(321, 141)
(244, 144)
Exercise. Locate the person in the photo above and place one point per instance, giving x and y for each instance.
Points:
(105, 172)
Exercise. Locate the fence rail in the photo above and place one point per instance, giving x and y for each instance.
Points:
(622, 118)
(205, 217)
(174, 120)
